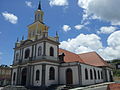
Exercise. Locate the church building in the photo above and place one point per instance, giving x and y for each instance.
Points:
(38, 61)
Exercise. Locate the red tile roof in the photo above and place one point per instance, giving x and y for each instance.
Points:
(70, 57)
(91, 58)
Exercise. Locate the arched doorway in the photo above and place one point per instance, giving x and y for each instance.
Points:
(24, 77)
(69, 76)
(110, 76)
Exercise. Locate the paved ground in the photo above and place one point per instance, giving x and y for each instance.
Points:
(101, 86)
(98, 88)
(1, 88)
(95, 88)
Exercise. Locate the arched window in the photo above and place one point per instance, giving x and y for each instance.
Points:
(86, 74)
(95, 74)
(14, 75)
(51, 73)
(101, 75)
(91, 74)
(17, 56)
(37, 75)
(39, 51)
(27, 52)
(38, 16)
(98, 75)
(51, 51)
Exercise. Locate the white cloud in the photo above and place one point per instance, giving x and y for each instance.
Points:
(58, 2)
(91, 42)
(101, 9)
(28, 3)
(109, 53)
(107, 30)
(10, 17)
(66, 28)
(82, 43)
(114, 39)
(80, 26)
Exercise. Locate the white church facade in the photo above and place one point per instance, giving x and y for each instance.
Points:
(38, 61)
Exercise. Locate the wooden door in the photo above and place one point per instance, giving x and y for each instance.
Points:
(69, 77)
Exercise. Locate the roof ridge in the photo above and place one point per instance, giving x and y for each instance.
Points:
(102, 60)
(87, 52)
(97, 56)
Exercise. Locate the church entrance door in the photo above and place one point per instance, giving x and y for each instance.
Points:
(69, 77)
(24, 76)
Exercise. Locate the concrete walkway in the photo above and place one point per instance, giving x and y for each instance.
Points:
(1, 88)
(92, 86)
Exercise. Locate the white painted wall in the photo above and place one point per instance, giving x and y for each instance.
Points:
(14, 71)
(108, 74)
(33, 51)
(37, 67)
(15, 59)
(17, 51)
(50, 82)
(74, 72)
(112, 72)
(89, 81)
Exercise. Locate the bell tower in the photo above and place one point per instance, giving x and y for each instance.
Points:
(37, 28)
(39, 14)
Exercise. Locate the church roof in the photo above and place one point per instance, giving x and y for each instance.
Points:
(91, 58)
(70, 57)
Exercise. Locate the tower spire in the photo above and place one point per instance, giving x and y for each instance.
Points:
(17, 39)
(22, 37)
(57, 37)
(56, 34)
(39, 6)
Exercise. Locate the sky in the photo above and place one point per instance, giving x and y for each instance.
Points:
(83, 25)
